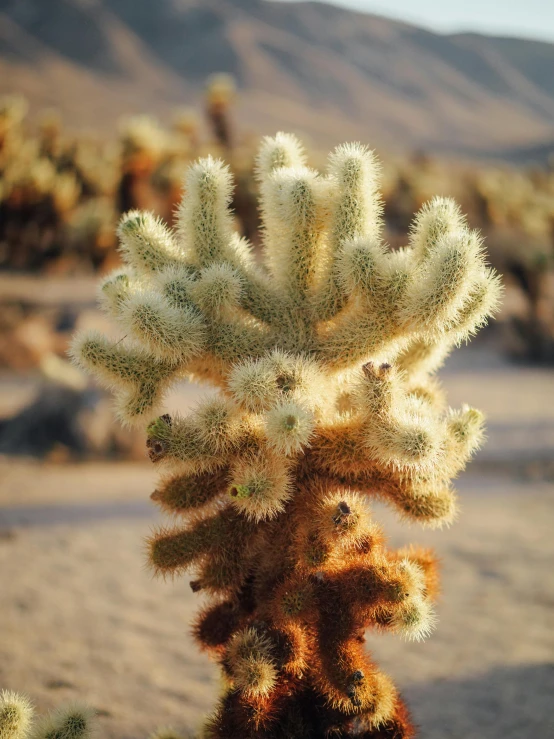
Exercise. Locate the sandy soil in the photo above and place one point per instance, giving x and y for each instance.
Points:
(81, 617)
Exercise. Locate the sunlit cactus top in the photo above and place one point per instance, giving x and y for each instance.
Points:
(323, 355)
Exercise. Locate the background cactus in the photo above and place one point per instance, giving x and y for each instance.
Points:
(61, 194)
(324, 359)
(15, 715)
(72, 721)
(69, 721)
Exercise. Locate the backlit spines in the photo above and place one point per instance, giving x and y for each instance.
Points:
(438, 289)
(71, 721)
(396, 431)
(289, 427)
(252, 663)
(146, 244)
(205, 223)
(439, 218)
(355, 213)
(113, 291)
(294, 205)
(323, 356)
(282, 150)
(217, 291)
(177, 334)
(16, 715)
(138, 378)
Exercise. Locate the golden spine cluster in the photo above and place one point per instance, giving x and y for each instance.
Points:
(73, 721)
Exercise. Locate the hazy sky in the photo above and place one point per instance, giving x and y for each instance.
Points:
(526, 18)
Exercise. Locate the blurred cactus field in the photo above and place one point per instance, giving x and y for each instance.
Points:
(62, 194)
(83, 625)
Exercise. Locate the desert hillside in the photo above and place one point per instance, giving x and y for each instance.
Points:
(331, 73)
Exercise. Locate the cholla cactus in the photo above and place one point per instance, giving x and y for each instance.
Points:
(70, 721)
(142, 133)
(16, 714)
(324, 361)
(73, 721)
(220, 91)
(13, 109)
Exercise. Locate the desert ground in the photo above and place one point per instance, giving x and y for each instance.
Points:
(81, 617)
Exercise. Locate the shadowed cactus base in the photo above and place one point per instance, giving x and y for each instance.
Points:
(324, 357)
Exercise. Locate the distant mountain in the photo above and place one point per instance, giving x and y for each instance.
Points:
(325, 71)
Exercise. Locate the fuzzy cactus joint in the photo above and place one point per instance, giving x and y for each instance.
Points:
(324, 354)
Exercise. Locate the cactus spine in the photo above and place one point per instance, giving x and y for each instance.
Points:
(324, 359)
(16, 713)
(72, 721)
